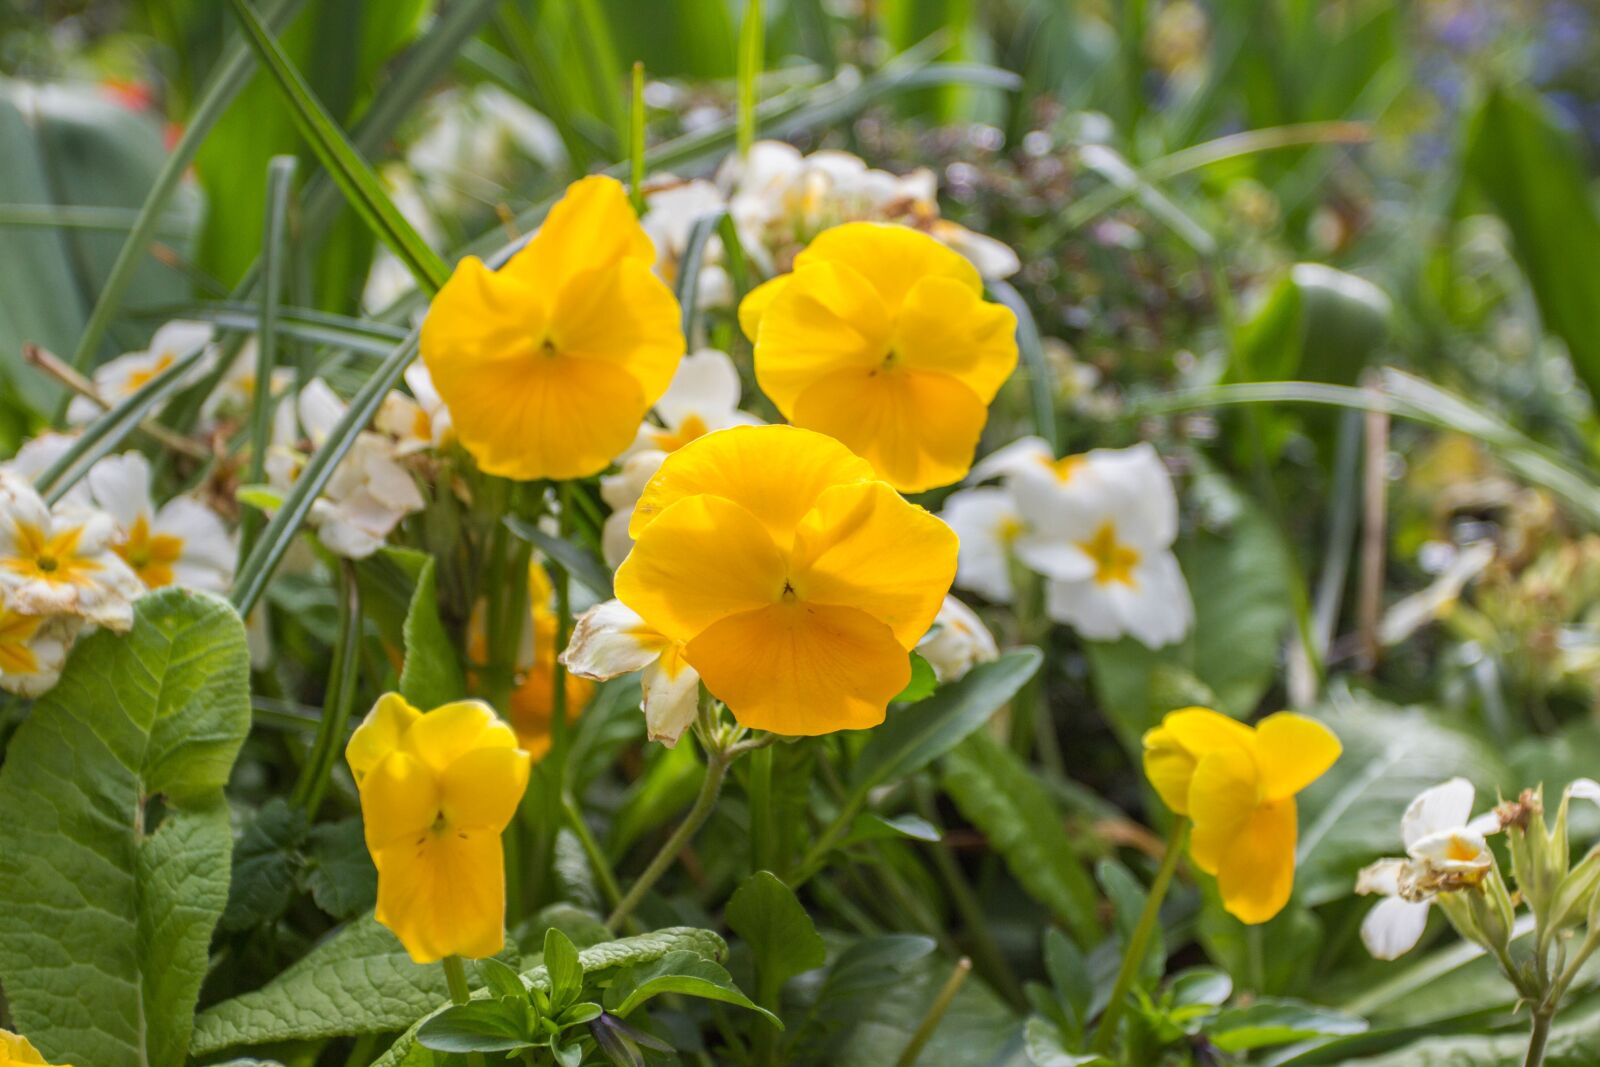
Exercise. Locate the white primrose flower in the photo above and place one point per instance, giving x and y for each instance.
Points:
(988, 523)
(38, 455)
(1445, 850)
(120, 378)
(234, 397)
(610, 639)
(184, 543)
(61, 563)
(33, 649)
(671, 210)
(621, 491)
(957, 642)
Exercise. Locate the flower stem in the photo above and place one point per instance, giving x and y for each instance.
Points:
(1133, 953)
(930, 1022)
(1538, 1039)
(312, 785)
(455, 975)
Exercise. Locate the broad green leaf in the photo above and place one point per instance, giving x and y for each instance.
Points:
(996, 792)
(500, 979)
(1532, 171)
(562, 966)
(341, 877)
(353, 174)
(1069, 976)
(1048, 1048)
(1271, 1021)
(1318, 324)
(871, 827)
(111, 798)
(481, 1026)
(685, 973)
(581, 563)
(1127, 898)
(780, 934)
(266, 864)
(913, 737)
(1201, 985)
(923, 682)
(360, 981)
(431, 674)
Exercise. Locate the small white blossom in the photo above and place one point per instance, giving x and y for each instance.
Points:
(957, 642)
(183, 543)
(117, 379)
(61, 563)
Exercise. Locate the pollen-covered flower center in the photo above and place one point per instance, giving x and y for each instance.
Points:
(1461, 850)
(51, 559)
(1113, 560)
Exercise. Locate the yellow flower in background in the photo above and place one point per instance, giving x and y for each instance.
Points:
(1238, 783)
(14, 1048)
(437, 788)
(795, 580)
(881, 338)
(548, 365)
(533, 700)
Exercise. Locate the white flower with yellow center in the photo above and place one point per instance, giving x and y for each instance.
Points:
(32, 650)
(184, 543)
(703, 396)
(1445, 850)
(232, 401)
(117, 379)
(957, 642)
(670, 214)
(38, 455)
(61, 563)
(610, 639)
(988, 522)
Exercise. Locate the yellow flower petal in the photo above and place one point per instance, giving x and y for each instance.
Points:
(918, 430)
(1256, 873)
(592, 225)
(892, 258)
(480, 790)
(827, 318)
(755, 303)
(444, 894)
(865, 547)
(14, 1048)
(704, 558)
(774, 472)
(945, 326)
(1170, 768)
(1223, 793)
(379, 733)
(399, 800)
(448, 732)
(1201, 730)
(1293, 751)
(802, 669)
(623, 314)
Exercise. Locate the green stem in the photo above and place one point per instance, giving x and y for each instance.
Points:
(455, 975)
(1538, 1039)
(312, 785)
(1133, 953)
(930, 1022)
(752, 49)
(280, 182)
(762, 832)
(591, 848)
(636, 141)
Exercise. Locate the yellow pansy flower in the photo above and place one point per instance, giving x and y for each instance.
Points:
(437, 788)
(795, 580)
(548, 365)
(881, 338)
(1238, 783)
(14, 1048)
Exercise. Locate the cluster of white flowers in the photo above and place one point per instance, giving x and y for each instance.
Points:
(1099, 528)
(117, 379)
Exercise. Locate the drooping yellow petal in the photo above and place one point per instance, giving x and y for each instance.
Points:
(1256, 873)
(865, 547)
(802, 669)
(1170, 768)
(919, 430)
(704, 558)
(592, 225)
(1223, 793)
(755, 303)
(1293, 752)
(444, 894)
(826, 319)
(379, 733)
(448, 732)
(774, 472)
(480, 789)
(1201, 730)
(892, 258)
(399, 800)
(945, 326)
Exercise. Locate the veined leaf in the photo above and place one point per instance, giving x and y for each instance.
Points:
(681, 972)
(431, 674)
(353, 174)
(111, 799)
(782, 936)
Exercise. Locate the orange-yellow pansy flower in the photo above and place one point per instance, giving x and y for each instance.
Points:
(794, 579)
(1238, 783)
(14, 1048)
(548, 365)
(881, 338)
(437, 788)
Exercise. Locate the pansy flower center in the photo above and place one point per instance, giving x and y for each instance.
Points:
(1113, 560)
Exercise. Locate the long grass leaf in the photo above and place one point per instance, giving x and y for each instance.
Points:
(694, 254)
(302, 324)
(346, 165)
(1041, 383)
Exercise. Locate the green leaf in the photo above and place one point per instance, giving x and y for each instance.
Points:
(1270, 1021)
(581, 563)
(1201, 985)
(341, 877)
(566, 972)
(923, 682)
(765, 912)
(998, 794)
(431, 675)
(1127, 898)
(872, 827)
(1069, 975)
(913, 737)
(1533, 173)
(1048, 1048)
(1319, 324)
(682, 972)
(501, 980)
(352, 173)
(481, 1026)
(111, 798)
(360, 981)
(1040, 379)
(266, 866)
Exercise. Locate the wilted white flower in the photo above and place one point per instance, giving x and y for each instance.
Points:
(32, 650)
(183, 543)
(120, 378)
(957, 642)
(61, 563)
(610, 639)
